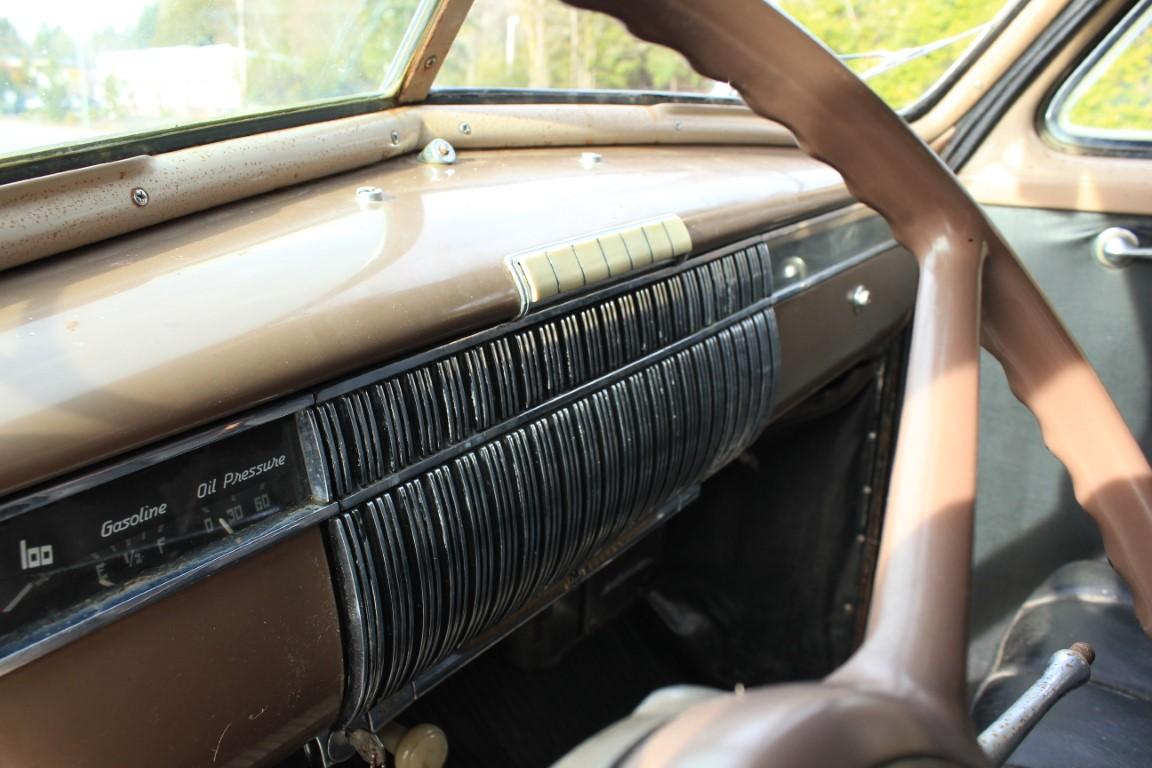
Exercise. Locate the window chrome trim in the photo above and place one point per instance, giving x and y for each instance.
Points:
(419, 29)
(1048, 120)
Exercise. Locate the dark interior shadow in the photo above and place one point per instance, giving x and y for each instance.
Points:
(1029, 522)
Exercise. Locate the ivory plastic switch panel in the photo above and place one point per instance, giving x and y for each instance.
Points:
(563, 267)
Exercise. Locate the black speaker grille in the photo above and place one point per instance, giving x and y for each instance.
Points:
(672, 380)
(379, 430)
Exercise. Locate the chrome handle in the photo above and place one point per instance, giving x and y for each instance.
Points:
(1118, 247)
(1066, 670)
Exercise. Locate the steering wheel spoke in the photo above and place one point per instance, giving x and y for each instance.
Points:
(902, 694)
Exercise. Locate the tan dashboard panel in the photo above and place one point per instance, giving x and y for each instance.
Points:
(232, 671)
(120, 344)
(1015, 166)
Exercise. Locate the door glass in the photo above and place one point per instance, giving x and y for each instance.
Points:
(1111, 98)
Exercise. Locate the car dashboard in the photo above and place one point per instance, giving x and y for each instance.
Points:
(277, 470)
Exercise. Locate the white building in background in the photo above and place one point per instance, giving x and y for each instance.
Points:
(182, 81)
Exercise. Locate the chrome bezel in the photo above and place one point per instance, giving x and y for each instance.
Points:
(42, 637)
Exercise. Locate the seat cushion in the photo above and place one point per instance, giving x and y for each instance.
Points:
(1109, 720)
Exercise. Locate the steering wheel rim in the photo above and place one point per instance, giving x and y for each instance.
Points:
(902, 694)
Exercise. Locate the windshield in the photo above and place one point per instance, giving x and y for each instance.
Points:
(901, 49)
(77, 75)
(77, 71)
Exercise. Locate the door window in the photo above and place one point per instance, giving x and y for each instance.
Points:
(1107, 102)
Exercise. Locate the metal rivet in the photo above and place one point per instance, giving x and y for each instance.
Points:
(140, 197)
(395, 137)
(466, 129)
(369, 195)
(430, 61)
(859, 297)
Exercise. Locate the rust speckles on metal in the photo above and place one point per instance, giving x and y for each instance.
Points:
(1084, 651)
(57, 213)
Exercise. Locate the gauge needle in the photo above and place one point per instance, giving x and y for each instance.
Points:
(19, 596)
(225, 526)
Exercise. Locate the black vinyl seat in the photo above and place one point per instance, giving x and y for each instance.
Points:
(1107, 722)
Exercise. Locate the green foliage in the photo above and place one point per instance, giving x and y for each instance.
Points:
(887, 26)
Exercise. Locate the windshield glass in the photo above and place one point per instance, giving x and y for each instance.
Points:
(901, 49)
(77, 71)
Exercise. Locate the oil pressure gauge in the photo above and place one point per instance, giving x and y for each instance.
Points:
(73, 551)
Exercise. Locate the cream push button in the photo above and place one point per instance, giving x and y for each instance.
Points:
(570, 266)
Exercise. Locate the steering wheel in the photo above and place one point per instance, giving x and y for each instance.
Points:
(901, 696)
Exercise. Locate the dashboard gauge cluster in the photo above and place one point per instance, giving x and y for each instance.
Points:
(70, 553)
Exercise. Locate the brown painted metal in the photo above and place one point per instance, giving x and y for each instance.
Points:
(53, 214)
(429, 56)
(1017, 166)
(234, 671)
(147, 335)
(988, 68)
(902, 693)
(822, 333)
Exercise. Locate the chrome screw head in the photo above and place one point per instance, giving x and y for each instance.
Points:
(859, 297)
(369, 195)
(466, 129)
(793, 268)
(395, 138)
(589, 160)
(140, 197)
